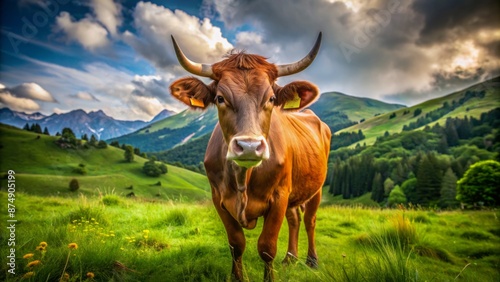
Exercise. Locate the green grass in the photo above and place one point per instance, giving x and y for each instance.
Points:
(135, 240)
(377, 126)
(356, 108)
(42, 168)
(364, 200)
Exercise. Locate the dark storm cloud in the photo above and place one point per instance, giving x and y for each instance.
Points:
(409, 49)
(452, 19)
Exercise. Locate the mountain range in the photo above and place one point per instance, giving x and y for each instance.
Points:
(336, 109)
(96, 122)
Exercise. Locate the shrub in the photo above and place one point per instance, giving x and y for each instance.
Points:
(481, 183)
(80, 169)
(151, 168)
(417, 112)
(102, 144)
(74, 185)
(111, 200)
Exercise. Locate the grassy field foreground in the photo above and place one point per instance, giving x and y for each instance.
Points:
(120, 239)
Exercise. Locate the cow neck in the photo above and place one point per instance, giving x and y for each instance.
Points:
(242, 176)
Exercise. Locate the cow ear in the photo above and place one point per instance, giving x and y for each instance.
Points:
(296, 95)
(192, 92)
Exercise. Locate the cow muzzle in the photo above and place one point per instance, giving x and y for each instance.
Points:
(248, 151)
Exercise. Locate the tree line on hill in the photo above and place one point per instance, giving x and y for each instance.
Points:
(68, 140)
(419, 167)
(440, 112)
(36, 128)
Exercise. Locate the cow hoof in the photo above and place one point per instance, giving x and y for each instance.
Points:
(289, 259)
(312, 262)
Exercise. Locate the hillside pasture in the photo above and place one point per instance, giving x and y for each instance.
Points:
(43, 168)
(377, 126)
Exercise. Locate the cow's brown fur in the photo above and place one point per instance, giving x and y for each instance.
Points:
(293, 175)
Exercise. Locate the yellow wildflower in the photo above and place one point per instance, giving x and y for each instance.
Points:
(73, 246)
(90, 275)
(34, 263)
(145, 231)
(28, 256)
(28, 275)
(65, 277)
(40, 248)
(43, 244)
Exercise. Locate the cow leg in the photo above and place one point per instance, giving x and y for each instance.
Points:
(293, 219)
(310, 223)
(235, 236)
(267, 244)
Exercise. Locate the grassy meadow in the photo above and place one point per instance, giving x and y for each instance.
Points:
(43, 168)
(123, 239)
(171, 232)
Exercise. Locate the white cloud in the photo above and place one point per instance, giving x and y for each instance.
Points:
(16, 103)
(117, 90)
(108, 13)
(32, 91)
(85, 96)
(253, 42)
(90, 34)
(198, 38)
(59, 111)
(146, 107)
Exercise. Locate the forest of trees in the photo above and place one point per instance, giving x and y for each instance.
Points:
(35, 127)
(422, 165)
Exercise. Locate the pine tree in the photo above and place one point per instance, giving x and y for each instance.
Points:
(93, 140)
(26, 127)
(38, 129)
(46, 131)
(346, 184)
(428, 180)
(451, 133)
(85, 137)
(377, 188)
(449, 190)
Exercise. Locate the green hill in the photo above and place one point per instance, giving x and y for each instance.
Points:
(172, 131)
(356, 108)
(473, 106)
(43, 168)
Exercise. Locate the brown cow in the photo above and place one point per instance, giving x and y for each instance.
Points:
(265, 158)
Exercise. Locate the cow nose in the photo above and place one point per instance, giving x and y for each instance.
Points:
(248, 151)
(248, 147)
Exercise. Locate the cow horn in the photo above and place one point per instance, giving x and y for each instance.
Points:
(192, 67)
(302, 64)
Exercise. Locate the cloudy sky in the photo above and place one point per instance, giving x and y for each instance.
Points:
(116, 55)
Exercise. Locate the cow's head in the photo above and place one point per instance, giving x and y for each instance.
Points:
(245, 93)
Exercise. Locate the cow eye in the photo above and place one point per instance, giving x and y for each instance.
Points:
(272, 99)
(219, 99)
